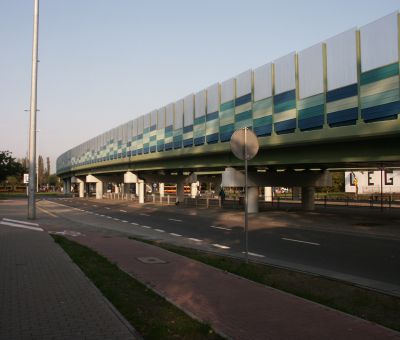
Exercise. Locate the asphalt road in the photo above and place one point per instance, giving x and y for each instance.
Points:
(309, 242)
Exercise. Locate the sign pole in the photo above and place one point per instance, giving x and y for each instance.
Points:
(246, 224)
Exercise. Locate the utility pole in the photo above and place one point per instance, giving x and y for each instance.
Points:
(32, 117)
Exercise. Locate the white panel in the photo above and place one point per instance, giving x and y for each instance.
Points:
(161, 118)
(227, 90)
(135, 127)
(200, 104)
(125, 132)
(140, 125)
(285, 73)
(213, 98)
(178, 120)
(169, 116)
(188, 107)
(153, 118)
(379, 43)
(263, 82)
(243, 83)
(341, 54)
(311, 71)
(146, 121)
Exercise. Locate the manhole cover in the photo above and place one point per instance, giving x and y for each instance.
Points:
(151, 260)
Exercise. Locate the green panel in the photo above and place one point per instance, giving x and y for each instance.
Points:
(262, 121)
(243, 116)
(379, 73)
(290, 104)
(199, 120)
(227, 105)
(168, 134)
(311, 112)
(380, 99)
(226, 128)
(311, 101)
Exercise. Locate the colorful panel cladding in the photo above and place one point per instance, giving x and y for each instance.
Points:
(351, 78)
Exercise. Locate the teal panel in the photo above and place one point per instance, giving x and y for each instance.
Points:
(227, 105)
(379, 73)
(285, 106)
(199, 120)
(243, 116)
(311, 112)
(262, 121)
(226, 128)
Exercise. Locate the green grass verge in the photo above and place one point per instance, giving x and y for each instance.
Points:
(149, 313)
(364, 303)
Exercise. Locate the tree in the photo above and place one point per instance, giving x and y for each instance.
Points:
(47, 170)
(8, 166)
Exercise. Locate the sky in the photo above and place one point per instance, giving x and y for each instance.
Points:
(104, 62)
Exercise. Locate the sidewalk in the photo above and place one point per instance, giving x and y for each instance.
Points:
(43, 295)
(235, 307)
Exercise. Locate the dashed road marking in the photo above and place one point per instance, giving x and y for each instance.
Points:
(222, 228)
(160, 230)
(221, 246)
(124, 221)
(299, 241)
(123, 210)
(253, 254)
(144, 214)
(23, 222)
(194, 239)
(175, 220)
(146, 226)
(107, 208)
(22, 226)
(177, 235)
(109, 217)
(134, 223)
(116, 219)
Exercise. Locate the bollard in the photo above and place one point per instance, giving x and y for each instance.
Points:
(167, 199)
(208, 202)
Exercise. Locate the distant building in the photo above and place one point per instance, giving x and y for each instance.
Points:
(369, 182)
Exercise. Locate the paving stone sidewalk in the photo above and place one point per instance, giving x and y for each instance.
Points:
(235, 307)
(43, 295)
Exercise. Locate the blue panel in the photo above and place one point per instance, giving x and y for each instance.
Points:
(139, 137)
(243, 99)
(168, 146)
(153, 127)
(311, 123)
(153, 148)
(213, 138)
(188, 143)
(199, 141)
(133, 153)
(146, 149)
(343, 92)
(381, 112)
(187, 128)
(348, 115)
(177, 138)
(169, 128)
(212, 116)
(284, 97)
(286, 126)
(178, 144)
(226, 136)
(264, 130)
(139, 151)
(120, 155)
(160, 147)
(128, 144)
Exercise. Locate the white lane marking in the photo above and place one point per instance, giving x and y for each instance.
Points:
(103, 215)
(253, 254)
(94, 205)
(23, 222)
(221, 246)
(195, 239)
(144, 215)
(124, 221)
(173, 234)
(160, 230)
(22, 226)
(107, 208)
(134, 223)
(117, 219)
(123, 211)
(299, 241)
(146, 226)
(222, 228)
(97, 214)
(175, 220)
(109, 217)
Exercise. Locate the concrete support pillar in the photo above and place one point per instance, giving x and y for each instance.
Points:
(180, 191)
(296, 193)
(141, 187)
(268, 194)
(252, 200)
(64, 186)
(99, 190)
(81, 185)
(161, 189)
(193, 190)
(137, 189)
(307, 198)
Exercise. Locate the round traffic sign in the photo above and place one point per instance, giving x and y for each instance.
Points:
(244, 144)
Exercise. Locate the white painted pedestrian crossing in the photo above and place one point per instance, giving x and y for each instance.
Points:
(20, 224)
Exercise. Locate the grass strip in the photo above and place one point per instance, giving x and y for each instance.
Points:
(364, 303)
(149, 313)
